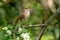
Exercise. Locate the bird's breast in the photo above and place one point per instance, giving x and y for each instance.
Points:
(27, 14)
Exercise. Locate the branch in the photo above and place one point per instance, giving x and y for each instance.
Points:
(37, 25)
(47, 23)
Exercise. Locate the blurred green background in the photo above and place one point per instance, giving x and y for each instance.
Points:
(10, 9)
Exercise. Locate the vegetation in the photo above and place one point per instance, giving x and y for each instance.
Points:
(11, 9)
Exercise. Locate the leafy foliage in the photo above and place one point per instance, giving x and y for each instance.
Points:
(10, 9)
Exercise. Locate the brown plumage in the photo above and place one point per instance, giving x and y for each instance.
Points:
(21, 17)
(24, 15)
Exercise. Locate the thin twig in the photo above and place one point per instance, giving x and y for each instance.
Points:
(37, 25)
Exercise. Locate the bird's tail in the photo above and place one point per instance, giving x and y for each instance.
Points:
(15, 27)
(16, 22)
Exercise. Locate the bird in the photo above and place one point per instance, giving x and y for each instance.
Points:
(23, 16)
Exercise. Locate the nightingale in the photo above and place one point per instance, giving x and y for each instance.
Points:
(23, 16)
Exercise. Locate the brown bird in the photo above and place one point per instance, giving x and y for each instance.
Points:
(23, 16)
